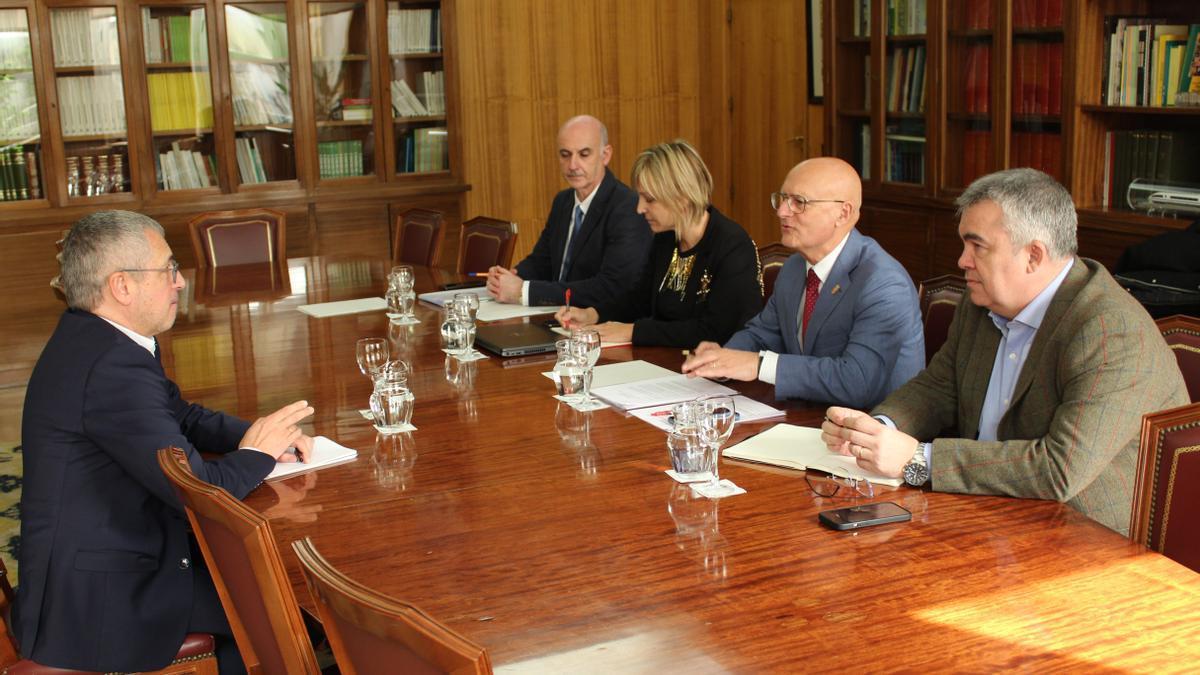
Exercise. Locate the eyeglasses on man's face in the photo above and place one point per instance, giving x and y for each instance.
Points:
(172, 267)
(830, 486)
(797, 204)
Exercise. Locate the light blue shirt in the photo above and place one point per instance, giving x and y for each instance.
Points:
(1016, 337)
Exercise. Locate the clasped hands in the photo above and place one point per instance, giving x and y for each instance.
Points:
(504, 284)
(279, 432)
(875, 446)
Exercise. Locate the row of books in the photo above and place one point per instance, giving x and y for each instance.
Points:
(976, 150)
(1041, 150)
(249, 160)
(180, 100)
(258, 34)
(860, 18)
(903, 158)
(1150, 62)
(425, 149)
(15, 51)
(1037, 78)
(356, 109)
(1037, 13)
(432, 100)
(906, 17)
(18, 175)
(85, 37)
(414, 31)
(92, 104)
(176, 38)
(977, 78)
(339, 159)
(262, 93)
(180, 169)
(906, 80)
(91, 175)
(1157, 156)
(18, 108)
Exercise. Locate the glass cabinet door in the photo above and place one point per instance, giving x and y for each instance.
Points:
(1037, 85)
(968, 125)
(261, 85)
(179, 89)
(852, 30)
(91, 100)
(343, 109)
(20, 133)
(904, 95)
(418, 89)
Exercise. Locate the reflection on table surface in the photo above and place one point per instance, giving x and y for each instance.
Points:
(554, 538)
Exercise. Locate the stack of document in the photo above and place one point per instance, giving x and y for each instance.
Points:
(748, 410)
(800, 448)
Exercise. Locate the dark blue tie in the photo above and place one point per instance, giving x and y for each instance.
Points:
(562, 273)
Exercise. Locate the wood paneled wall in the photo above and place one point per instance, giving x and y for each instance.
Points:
(649, 70)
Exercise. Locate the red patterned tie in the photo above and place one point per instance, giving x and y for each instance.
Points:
(812, 286)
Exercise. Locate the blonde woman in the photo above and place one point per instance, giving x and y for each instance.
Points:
(702, 280)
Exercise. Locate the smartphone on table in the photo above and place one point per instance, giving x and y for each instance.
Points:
(864, 515)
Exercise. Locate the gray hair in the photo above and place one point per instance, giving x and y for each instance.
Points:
(1035, 207)
(98, 245)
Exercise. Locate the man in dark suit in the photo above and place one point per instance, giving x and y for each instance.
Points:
(111, 579)
(594, 242)
(1040, 388)
(843, 324)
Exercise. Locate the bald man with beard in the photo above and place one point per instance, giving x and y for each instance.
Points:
(844, 323)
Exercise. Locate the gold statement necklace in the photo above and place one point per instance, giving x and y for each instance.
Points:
(678, 272)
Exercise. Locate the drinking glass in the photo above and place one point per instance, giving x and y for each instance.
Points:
(400, 294)
(585, 348)
(458, 334)
(568, 371)
(591, 338)
(717, 415)
(690, 455)
(392, 405)
(372, 354)
(466, 303)
(401, 277)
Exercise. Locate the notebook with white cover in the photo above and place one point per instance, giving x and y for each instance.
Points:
(800, 448)
(324, 453)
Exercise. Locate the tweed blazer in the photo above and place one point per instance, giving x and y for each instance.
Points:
(1096, 365)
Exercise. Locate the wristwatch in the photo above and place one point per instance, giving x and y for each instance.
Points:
(916, 472)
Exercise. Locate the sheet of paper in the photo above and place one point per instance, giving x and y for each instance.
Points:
(800, 448)
(659, 391)
(748, 410)
(603, 343)
(611, 374)
(440, 298)
(325, 309)
(494, 311)
(324, 453)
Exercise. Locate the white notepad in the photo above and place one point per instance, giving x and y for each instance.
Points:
(800, 448)
(324, 309)
(324, 453)
(672, 388)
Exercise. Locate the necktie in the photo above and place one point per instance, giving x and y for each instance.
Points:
(562, 272)
(812, 285)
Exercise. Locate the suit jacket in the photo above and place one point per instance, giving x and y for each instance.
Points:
(865, 339)
(106, 570)
(723, 291)
(1097, 363)
(607, 255)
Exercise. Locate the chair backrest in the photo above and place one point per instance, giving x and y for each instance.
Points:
(485, 242)
(221, 238)
(1182, 334)
(248, 571)
(772, 257)
(418, 237)
(9, 654)
(939, 298)
(372, 633)
(1166, 494)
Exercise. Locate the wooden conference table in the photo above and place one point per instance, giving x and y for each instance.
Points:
(554, 539)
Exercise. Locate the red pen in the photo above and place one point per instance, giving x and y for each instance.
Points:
(568, 303)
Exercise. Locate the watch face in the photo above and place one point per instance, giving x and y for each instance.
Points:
(916, 473)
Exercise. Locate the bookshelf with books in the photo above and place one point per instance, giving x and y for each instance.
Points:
(260, 79)
(852, 95)
(342, 94)
(417, 87)
(20, 129)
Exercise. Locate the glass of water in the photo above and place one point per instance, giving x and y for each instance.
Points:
(458, 334)
(716, 415)
(585, 347)
(690, 456)
(392, 406)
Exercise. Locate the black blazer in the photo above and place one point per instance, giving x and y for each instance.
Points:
(607, 255)
(106, 571)
(723, 291)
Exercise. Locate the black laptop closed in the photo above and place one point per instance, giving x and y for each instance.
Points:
(515, 339)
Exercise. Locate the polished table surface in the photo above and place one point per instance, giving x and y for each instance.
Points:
(554, 539)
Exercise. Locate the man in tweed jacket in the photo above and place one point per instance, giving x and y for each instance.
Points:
(1049, 366)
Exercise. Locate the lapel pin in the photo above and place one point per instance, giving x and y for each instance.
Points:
(836, 288)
